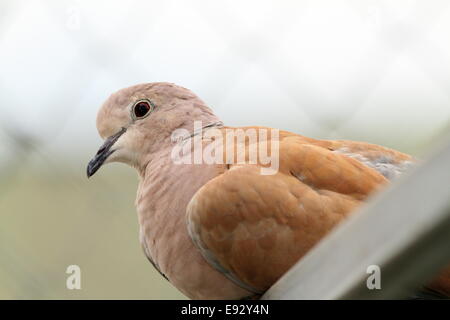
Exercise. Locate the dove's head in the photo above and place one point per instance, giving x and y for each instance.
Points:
(138, 121)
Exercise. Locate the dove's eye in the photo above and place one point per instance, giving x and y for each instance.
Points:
(141, 109)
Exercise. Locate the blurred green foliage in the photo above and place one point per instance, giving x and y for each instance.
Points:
(52, 217)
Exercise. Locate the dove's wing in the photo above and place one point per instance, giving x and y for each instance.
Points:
(254, 227)
(390, 163)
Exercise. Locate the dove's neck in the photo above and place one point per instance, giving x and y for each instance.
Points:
(186, 122)
(191, 120)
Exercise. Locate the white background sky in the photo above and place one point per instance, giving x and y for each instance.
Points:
(370, 70)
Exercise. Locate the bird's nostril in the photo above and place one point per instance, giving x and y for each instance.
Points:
(109, 142)
(101, 150)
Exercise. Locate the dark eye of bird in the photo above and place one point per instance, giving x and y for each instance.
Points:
(141, 109)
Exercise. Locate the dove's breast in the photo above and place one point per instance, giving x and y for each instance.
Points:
(161, 204)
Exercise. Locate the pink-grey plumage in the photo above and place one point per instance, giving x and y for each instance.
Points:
(224, 231)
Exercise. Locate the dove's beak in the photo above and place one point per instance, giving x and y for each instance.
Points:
(103, 153)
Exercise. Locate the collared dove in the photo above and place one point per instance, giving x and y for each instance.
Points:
(226, 229)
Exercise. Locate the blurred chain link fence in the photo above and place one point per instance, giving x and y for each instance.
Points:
(364, 70)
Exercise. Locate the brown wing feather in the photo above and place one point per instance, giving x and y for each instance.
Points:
(255, 227)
